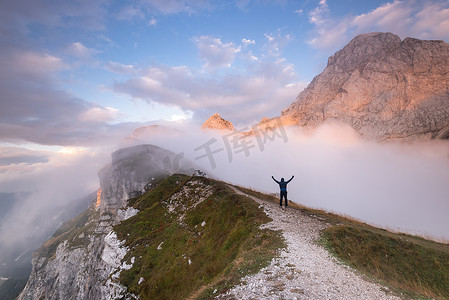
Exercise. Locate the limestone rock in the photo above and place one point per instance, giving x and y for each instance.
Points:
(130, 170)
(80, 260)
(381, 86)
(216, 122)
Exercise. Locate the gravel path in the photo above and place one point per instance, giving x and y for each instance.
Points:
(304, 269)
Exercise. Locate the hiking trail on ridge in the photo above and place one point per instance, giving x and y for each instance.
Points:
(304, 269)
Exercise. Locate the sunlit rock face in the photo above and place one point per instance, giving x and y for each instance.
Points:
(383, 87)
(216, 122)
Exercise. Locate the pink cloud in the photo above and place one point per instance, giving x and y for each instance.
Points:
(120, 68)
(30, 63)
(433, 22)
(420, 19)
(269, 88)
(99, 114)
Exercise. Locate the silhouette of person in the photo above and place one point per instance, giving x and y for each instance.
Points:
(283, 187)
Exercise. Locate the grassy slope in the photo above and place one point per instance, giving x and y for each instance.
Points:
(409, 265)
(231, 246)
(228, 247)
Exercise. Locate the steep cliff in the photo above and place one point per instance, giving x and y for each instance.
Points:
(131, 170)
(76, 262)
(383, 87)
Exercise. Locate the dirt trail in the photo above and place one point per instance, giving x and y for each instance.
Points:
(304, 270)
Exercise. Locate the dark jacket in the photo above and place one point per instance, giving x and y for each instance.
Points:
(282, 183)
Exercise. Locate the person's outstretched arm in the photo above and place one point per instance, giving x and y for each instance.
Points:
(275, 179)
(290, 179)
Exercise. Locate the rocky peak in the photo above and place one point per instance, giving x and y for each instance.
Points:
(362, 49)
(381, 86)
(130, 170)
(216, 122)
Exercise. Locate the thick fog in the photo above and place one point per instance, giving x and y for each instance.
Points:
(43, 198)
(399, 186)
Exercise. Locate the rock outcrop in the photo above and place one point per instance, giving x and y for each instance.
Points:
(381, 86)
(130, 171)
(216, 122)
(79, 260)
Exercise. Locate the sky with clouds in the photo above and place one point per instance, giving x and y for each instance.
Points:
(73, 74)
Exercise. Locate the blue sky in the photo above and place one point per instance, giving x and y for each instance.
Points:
(76, 73)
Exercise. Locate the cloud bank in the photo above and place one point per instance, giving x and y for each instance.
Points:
(397, 186)
(232, 77)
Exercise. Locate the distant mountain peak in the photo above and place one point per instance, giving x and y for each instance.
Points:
(216, 122)
(383, 87)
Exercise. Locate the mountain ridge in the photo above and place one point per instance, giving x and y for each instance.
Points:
(192, 236)
(70, 265)
(382, 87)
(100, 255)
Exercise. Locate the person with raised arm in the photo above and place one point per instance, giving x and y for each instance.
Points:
(283, 187)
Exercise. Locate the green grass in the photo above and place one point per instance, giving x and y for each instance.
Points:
(409, 265)
(228, 247)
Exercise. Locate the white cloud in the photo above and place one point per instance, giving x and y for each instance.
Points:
(99, 114)
(265, 90)
(180, 117)
(433, 22)
(30, 62)
(35, 109)
(247, 42)
(32, 66)
(129, 13)
(39, 60)
(420, 19)
(319, 14)
(120, 68)
(13, 156)
(215, 53)
(252, 57)
(152, 22)
(276, 41)
(80, 51)
(395, 17)
(330, 38)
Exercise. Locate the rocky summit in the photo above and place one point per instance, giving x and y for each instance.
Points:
(383, 87)
(216, 122)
